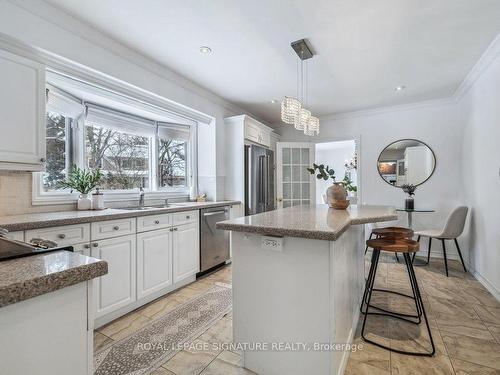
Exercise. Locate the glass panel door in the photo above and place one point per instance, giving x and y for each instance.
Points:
(295, 186)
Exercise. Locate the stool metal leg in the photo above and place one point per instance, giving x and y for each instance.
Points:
(418, 296)
(460, 254)
(429, 251)
(366, 249)
(368, 281)
(444, 255)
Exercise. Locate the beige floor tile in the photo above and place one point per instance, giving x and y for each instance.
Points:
(495, 331)
(101, 341)
(467, 368)
(376, 329)
(415, 338)
(488, 314)
(124, 326)
(465, 326)
(481, 352)
(193, 360)
(442, 308)
(227, 363)
(370, 360)
(160, 306)
(221, 332)
(162, 371)
(411, 365)
(479, 295)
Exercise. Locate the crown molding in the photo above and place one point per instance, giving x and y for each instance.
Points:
(491, 53)
(389, 109)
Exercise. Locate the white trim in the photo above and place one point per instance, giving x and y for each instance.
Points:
(491, 53)
(488, 285)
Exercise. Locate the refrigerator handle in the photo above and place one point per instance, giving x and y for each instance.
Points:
(268, 185)
(262, 189)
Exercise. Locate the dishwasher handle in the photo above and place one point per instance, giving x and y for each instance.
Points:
(214, 213)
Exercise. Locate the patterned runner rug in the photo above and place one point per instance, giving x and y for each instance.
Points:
(145, 350)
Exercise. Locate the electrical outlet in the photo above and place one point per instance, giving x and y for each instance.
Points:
(272, 243)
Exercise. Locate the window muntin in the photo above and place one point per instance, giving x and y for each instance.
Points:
(172, 163)
(122, 157)
(57, 146)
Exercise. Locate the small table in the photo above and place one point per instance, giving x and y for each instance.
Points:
(410, 213)
(410, 225)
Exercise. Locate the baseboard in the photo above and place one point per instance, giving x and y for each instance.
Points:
(347, 353)
(486, 283)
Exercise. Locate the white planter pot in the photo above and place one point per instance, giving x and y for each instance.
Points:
(84, 202)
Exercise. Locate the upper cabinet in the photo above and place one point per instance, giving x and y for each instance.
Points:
(253, 130)
(22, 113)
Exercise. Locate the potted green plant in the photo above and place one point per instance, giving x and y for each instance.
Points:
(83, 181)
(349, 186)
(336, 195)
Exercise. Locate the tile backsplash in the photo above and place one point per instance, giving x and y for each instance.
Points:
(15, 195)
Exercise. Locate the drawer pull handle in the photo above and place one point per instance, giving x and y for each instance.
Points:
(157, 221)
(62, 236)
(188, 217)
(171, 229)
(95, 244)
(86, 246)
(116, 227)
(175, 229)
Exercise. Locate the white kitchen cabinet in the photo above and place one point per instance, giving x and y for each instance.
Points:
(118, 288)
(186, 251)
(154, 261)
(22, 113)
(66, 235)
(112, 228)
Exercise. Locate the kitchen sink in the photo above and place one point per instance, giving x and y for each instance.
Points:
(142, 208)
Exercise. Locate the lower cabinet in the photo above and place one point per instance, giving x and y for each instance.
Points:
(186, 251)
(118, 288)
(154, 261)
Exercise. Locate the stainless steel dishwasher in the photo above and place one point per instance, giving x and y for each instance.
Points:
(214, 243)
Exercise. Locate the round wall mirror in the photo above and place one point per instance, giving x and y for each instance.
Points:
(407, 161)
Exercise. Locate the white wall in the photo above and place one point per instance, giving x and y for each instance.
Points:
(436, 123)
(42, 26)
(479, 111)
(333, 154)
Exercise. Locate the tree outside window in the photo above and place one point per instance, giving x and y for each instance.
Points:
(172, 163)
(56, 151)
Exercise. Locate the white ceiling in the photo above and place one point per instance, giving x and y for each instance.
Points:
(364, 48)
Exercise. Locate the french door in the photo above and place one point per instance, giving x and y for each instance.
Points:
(294, 184)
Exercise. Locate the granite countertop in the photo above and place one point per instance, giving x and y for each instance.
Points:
(28, 277)
(317, 222)
(50, 219)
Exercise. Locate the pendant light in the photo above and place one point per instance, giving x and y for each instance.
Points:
(293, 111)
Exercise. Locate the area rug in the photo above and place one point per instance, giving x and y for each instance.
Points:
(145, 350)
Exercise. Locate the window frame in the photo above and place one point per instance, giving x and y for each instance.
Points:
(77, 148)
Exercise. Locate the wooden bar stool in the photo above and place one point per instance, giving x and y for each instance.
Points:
(391, 232)
(406, 247)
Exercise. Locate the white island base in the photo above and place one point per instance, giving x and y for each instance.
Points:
(307, 292)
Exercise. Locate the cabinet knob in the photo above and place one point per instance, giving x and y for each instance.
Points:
(116, 227)
(86, 246)
(62, 236)
(188, 217)
(157, 221)
(42, 160)
(95, 244)
(175, 229)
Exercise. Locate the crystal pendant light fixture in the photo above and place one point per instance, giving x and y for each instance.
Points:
(290, 108)
(293, 111)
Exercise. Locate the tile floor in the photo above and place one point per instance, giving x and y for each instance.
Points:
(464, 319)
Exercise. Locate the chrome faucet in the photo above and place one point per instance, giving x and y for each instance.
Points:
(141, 197)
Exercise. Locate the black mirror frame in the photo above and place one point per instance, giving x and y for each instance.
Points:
(408, 139)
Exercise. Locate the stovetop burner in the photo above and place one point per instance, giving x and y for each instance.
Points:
(11, 249)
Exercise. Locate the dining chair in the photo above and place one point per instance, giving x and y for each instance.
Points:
(453, 228)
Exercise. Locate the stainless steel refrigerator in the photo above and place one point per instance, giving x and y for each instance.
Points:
(259, 179)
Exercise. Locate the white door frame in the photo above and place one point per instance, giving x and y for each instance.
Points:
(279, 169)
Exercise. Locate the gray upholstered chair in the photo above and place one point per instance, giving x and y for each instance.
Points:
(452, 229)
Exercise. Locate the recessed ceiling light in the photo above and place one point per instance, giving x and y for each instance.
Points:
(400, 88)
(274, 101)
(205, 49)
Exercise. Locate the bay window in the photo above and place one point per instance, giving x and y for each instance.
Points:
(131, 151)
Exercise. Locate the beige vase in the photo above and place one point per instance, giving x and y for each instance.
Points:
(336, 196)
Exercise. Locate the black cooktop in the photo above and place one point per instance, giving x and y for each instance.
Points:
(11, 249)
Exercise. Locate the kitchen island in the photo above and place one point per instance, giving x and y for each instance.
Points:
(298, 277)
